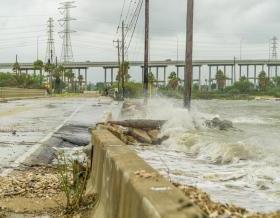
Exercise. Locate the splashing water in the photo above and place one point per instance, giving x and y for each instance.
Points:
(239, 166)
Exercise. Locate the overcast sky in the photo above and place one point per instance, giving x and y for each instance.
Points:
(221, 28)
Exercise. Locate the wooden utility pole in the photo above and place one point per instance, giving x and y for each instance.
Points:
(189, 50)
(123, 64)
(119, 63)
(146, 53)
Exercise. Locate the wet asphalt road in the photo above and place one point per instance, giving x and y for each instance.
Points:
(29, 126)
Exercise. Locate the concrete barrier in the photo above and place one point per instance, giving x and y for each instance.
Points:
(124, 194)
(6, 92)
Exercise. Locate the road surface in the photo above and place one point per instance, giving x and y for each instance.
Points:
(29, 125)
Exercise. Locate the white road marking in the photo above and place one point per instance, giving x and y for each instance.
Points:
(34, 148)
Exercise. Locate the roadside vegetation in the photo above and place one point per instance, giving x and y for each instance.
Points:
(240, 90)
(73, 179)
(54, 78)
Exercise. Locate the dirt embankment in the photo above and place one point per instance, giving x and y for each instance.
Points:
(33, 192)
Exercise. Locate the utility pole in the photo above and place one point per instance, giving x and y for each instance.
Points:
(123, 91)
(146, 52)
(189, 49)
(119, 62)
(67, 52)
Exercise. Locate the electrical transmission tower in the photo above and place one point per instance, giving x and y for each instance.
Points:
(50, 53)
(67, 52)
(274, 43)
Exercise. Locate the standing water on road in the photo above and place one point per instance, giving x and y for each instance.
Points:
(240, 166)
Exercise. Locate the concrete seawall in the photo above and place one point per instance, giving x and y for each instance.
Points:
(6, 92)
(127, 187)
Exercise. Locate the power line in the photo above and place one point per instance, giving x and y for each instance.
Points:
(121, 16)
(136, 21)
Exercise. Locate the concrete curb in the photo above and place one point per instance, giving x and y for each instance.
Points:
(123, 194)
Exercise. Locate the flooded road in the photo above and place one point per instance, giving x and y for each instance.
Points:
(27, 125)
(239, 166)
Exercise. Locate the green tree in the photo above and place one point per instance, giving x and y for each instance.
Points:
(263, 81)
(125, 71)
(70, 79)
(80, 79)
(16, 68)
(151, 78)
(39, 65)
(243, 86)
(57, 74)
(276, 81)
(49, 68)
(173, 80)
(221, 80)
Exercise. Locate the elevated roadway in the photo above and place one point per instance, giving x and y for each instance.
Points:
(108, 64)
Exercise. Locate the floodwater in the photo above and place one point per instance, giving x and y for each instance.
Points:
(239, 166)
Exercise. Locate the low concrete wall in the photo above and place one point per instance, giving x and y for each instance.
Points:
(123, 194)
(6, 92)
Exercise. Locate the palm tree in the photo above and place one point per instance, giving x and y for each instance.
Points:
(80, 79)
(50, 69)
(70, 79)
(125, 72)
(16, 67)
(57, 74)
(221, 80)
(263, 81)
(173, 80)
(39, 65)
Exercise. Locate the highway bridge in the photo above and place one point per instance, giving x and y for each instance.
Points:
(234, 68)
(93, 64)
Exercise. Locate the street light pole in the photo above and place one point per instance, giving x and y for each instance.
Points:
(38, 47)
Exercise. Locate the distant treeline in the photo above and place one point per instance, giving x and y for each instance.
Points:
(20, 80)
(242, 89)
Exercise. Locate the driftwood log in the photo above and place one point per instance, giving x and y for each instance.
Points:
(136, 131)
(140, 124)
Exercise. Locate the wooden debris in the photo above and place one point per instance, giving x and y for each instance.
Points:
(131, 132)
(140, 124)
(140, 135)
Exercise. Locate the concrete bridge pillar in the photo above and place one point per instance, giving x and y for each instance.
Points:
(255, 76)
(142, 74)
(210, 76)
(177, 71)
(247, 72)
(240, 72)
(157, 76)
(225, 72)
(105, 77)
(86, 79)
(276, 70)
(232, 72)
(164, 72)
(112, 76)
(199, 76)
(268, 71)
